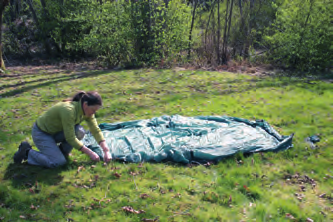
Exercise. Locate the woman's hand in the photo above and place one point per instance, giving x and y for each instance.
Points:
(107, 155)
(93, 156)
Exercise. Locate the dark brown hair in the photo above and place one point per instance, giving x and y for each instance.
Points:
(92, 98)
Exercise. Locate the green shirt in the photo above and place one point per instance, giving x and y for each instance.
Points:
(63, 117)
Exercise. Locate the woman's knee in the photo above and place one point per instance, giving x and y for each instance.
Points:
(79, 132)
(59, 161)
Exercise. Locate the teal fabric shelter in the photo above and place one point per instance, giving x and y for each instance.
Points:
(185, 139)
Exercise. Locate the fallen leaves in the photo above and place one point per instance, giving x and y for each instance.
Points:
(299, 196)
(34, 188)
(117, 175)
(328, 176)
(32, 207)
(70, 204)
(133, 173)
(80, 168)
(144, 196)
(131, 210)
(246, 188)
(91, 185)
(289, 216)
(207, 164)
(230, 200)
(322, 195)
(178, 195)
(298, 179)
(150, 220)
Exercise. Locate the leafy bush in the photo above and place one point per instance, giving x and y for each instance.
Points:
(137, 33)
(301, 36)
(65, 24)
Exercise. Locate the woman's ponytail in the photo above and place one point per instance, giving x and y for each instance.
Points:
(92, 98)
(77, 97)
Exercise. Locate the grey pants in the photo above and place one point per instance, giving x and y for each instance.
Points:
(50, 154)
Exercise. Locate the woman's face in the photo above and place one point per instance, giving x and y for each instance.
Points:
(90, 110)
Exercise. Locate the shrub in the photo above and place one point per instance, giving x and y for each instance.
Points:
(301, 36)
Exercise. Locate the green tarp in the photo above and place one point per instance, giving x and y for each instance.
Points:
(185, 139)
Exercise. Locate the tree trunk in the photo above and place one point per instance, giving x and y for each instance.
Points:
(224, 51)
(230, 15)
(15, 10)
(44, 34)
(218, 33)
(248, 36)
(306, 21)
(296, 59)
(207, 26)
(240, 8)
(61, 11)
(3, 4)
(41, 30)
(18, 7)
(227, 31)
(2, 64)
(213, 31)
(192, 24)
(12, 10)
(241, 30)
(166, 2)
(241, 14)
(33, 12)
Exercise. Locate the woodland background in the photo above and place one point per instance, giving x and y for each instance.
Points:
(291, 34)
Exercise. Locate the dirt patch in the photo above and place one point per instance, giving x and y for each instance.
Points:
(19, 68)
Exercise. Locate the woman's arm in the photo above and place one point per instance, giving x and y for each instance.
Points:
(96, 131)
(107, 155)
(93, 156)
(94, 128)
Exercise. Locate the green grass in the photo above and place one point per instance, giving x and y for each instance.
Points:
(262, 187)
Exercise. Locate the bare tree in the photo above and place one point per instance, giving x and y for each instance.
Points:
(248, 37)
(218, 33)
(227, 25)
(224, 55)
(192, 24)
(211, 14)
(230, 15)
(33, 12)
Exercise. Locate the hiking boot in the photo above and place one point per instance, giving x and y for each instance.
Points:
(22, 153)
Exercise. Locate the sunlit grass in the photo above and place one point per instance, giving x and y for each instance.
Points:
(240, 188)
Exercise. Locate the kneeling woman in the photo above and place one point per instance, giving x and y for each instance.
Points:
(60, 125)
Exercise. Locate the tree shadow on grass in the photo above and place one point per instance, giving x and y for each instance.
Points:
(43, 84)
(33, 81)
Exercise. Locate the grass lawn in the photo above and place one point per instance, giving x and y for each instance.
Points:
(296, 184)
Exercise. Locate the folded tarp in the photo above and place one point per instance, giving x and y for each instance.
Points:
(184, 139)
